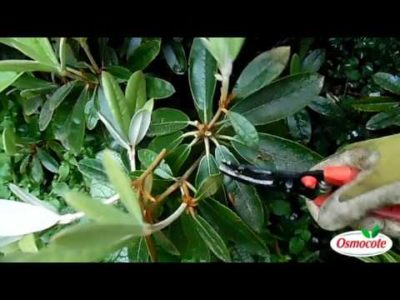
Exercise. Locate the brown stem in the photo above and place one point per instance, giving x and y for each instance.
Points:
(153, 165)
(215, 118)
(91, 59)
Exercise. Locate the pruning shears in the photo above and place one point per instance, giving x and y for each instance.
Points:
(316, 185)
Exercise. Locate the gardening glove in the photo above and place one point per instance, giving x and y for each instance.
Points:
(371, 197)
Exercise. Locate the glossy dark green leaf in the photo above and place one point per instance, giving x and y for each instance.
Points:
(202, 81)
(178, 157)
(384, 119)
(280, 99)
(325, 106)
(167, 120)
(9, 140)
(122, 185)
(116, 101)
(212, 239)
(244, 197)
(296, 245)
(299, 126)
(92, 116)
(60, 94)
(24, 164)
(36, 170)
(280, 207)
(46, 114)
(195, 249)
(375, 104)
(209, 186)
(77, 124)
(313, 61)
(278, 152)
(158, 88)
(147, 156)
(168, 142)
(28, 81)
(231, 227)
(31, 105)
(48, 161)
(97, 211)
(138, 250)
(174, 54)
(119, 72)
(295, 64)
(143, 55)
(261, 71)
(207, 167)
(93, 169)
(388, 82)
(7, 79)
(165, 243)
(244, 129)
(135, 92)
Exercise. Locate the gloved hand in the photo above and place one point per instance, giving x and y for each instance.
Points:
(360, 202)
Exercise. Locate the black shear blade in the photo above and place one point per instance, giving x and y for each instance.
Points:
(247, 174)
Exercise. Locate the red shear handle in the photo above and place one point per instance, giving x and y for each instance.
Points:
(339, 175)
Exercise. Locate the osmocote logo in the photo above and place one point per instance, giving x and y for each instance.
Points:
(362, 243)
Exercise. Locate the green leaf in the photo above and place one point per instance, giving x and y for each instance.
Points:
(143, 55)
(375, 231)
(63, 53)
(82, 243)
(295, 64)
(299, 126)
(296, 245)
(48, 161)
(202, 81)
(60, 95)
(278, 152)
(174, 54)
(165, 243)
(9, 140)
(209, 186)
(27, 244)
(119, 72)
(116, 101)
(168, 142)
(194, 248)
(231, 227)
(244, 129)
(139, 126)
(207, 167)
(375, 104)
(31, 105)
(157, 88)
(147, 156)
(14, 65)
(388, 82)
(135, 92)
(36, 169)
(46, 114)
(122, 185)
(280, 208)
(27, 81)
(138, 250)
(96, 210)
(7, 79)
(313, 61)
(366, 233)
(38, 49)
(177, 158)
(261, 71)
(224, 50)
(280, 99)
(325, 106)
(93, 169)
(115, 133)
(212, 239)
(92, 116)
(77, 124)
(384, 119)
(244, 197)
(167, 120)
